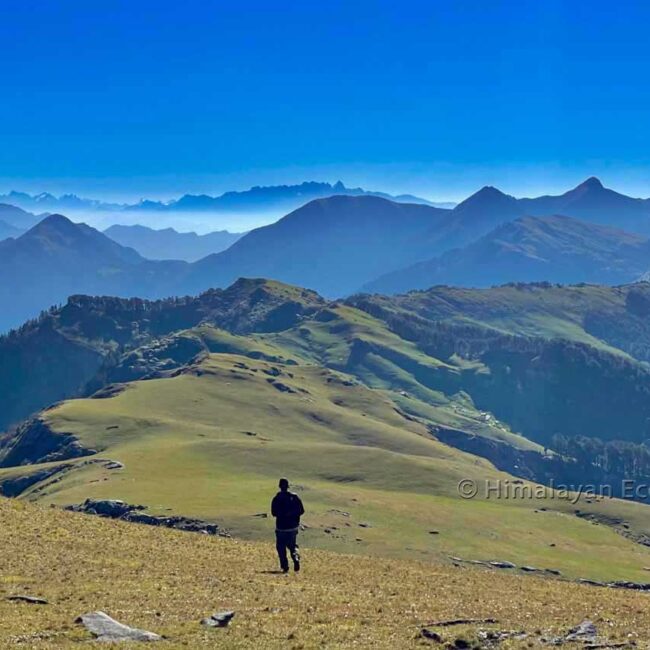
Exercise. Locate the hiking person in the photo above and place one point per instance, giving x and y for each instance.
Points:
(287, 509)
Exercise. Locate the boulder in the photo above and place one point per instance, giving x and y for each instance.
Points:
(106, 629)
(585, 631)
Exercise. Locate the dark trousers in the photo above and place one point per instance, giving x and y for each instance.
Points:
(287, 539)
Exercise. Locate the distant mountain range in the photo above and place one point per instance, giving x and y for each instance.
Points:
(338, 246)
(332, 245)
(564, 250)
(45, 201)
(591, 201)
(168, 244)
(275, 197)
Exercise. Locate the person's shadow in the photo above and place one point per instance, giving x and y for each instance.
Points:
(274, 572)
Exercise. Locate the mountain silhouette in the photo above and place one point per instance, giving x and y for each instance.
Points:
(592, 201)
(331, 245)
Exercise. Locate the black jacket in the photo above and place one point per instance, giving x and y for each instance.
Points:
(287, 509)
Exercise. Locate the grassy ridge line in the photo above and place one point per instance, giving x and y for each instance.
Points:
(167, 581)
(538, 310)
(420, 384)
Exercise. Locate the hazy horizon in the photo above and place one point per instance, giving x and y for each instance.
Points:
(203, 222)
(529, 97)
(445, 187)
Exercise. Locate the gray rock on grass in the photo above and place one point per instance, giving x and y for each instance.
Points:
(106, 629)
(502, 564)
(585, 631)
(220, 619)
(32, 600)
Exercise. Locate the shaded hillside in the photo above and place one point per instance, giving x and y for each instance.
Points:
(432, 346)
(540, 386)
(529, 249)
(168, 244)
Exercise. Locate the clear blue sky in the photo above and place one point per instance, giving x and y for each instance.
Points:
(155, 97)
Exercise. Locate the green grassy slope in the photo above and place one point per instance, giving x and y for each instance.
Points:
(212, 441)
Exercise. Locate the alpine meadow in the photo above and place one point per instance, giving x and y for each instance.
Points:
(324, 326)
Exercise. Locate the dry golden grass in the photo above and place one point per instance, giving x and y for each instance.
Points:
(166, 581)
